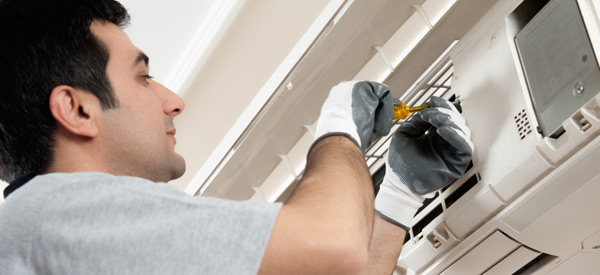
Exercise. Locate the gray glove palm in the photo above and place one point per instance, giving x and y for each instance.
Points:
(428, 152)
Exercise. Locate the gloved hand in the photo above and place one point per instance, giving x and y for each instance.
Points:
(428, 152)
(360, 110)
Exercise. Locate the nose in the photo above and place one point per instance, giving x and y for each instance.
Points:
(172, 104)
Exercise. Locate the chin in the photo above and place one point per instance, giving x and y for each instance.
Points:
(178, 168)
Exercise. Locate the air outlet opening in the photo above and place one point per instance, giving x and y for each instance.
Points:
(462, 190)
(406, 237)
(418, 227)
(439, 209)
(426, 203)
(466, 172)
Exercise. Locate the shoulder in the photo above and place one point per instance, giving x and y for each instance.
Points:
(82, 211)
(94, 187)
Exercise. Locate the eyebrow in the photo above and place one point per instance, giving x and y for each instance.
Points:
(142, 57)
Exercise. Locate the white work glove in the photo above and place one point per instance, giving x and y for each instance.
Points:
(428, 152)
(360, 110)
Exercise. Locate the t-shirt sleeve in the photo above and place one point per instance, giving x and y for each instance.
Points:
(146, 228)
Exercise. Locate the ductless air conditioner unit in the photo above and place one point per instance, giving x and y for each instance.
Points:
(528, 78)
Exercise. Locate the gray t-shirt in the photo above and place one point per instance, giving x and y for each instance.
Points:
(96, 223)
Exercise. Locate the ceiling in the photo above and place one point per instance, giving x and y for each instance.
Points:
(173, 33)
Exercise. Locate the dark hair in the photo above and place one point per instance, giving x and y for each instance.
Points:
(44, 44)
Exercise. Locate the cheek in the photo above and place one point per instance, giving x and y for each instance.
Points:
(142, 100)
(142, 107)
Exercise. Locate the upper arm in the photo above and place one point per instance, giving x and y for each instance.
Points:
(325, 226)
(298, 245)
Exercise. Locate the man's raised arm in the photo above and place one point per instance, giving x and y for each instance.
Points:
(325, 227)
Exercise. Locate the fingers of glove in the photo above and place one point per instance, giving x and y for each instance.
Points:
(415, 126)
(418, 124)
(451, 126)
(372, 110)
(449, 108)
(435, 101)
(440, 116)
(384, 115)
(456, 138)
(336, 114)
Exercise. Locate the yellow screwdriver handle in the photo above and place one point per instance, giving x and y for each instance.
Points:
(402, 111)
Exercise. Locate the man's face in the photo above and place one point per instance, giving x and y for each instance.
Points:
(138, 136)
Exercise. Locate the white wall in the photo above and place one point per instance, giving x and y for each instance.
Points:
(2, 186)
(164, 29)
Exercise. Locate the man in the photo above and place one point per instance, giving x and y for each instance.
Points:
(87, 141)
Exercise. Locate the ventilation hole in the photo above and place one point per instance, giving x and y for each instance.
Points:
(522, 124)
(452, 98)
(463, 189)
(469, 166)
(426, 202)
(466, 171)
(406, 238)
(418, 228)
(558, 133)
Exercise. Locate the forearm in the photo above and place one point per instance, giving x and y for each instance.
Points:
(325, 226)
(385, 247)
(337, 187)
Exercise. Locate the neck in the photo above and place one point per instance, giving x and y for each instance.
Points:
(77, 154)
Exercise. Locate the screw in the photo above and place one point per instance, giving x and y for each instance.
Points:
(579, 89)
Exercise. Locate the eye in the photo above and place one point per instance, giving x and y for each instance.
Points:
(146, 77)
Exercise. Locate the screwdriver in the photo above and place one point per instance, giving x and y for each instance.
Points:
(402, 111)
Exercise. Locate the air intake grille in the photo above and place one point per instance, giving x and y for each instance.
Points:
(523, 125)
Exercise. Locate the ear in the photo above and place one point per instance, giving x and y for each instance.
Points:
(75, 110)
